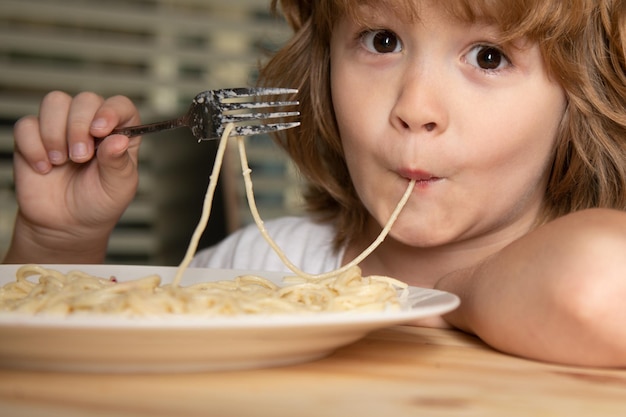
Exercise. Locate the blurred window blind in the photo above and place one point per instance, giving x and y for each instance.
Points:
(159, 53)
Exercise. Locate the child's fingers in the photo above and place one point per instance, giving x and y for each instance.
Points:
(114, 112)
(53, 113)
(80, 142)
(29, 146)
(118, 169)
(66, 127)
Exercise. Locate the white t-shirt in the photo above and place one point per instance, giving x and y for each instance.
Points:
(308, 245)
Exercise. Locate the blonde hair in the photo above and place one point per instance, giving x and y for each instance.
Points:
(583, 43)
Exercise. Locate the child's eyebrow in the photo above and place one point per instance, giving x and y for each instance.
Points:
(370, 12)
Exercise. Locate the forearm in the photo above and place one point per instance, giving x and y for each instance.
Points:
(555, 295)
(43, 246)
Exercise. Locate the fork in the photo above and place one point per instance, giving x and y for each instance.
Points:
(211, 110)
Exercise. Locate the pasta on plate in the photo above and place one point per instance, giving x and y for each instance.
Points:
(76, 292)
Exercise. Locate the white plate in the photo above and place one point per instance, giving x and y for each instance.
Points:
(187, 344)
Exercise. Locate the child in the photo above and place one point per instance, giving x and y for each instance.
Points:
(509, 115)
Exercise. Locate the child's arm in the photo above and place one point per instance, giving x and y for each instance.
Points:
(70, 196)
(557, 294)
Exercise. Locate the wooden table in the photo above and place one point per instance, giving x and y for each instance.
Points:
(394, 372)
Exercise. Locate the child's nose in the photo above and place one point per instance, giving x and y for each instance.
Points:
(421, 103)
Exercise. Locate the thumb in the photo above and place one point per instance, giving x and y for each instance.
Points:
(117, 161)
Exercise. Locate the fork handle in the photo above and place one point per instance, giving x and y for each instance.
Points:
(132, 131)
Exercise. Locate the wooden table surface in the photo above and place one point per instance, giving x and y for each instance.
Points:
(399, 371)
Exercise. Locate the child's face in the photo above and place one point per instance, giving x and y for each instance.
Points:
(443, 102)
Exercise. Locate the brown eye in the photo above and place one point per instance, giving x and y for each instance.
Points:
(381, 41)
(489, 58)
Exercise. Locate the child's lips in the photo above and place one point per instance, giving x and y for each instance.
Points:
(420, 177)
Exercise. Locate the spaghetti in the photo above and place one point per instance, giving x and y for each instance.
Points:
(344, 289)
(77, 292)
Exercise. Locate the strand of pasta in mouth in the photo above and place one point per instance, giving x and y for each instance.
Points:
(259, 223)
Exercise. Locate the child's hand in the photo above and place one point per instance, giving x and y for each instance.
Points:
(71, 195)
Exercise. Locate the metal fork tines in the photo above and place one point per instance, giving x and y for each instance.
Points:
(235, 105)
(212, 110)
